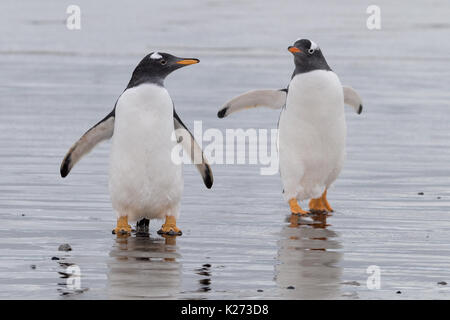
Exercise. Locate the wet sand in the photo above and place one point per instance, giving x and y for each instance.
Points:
(238, 241)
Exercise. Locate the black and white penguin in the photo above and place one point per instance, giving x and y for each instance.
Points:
(312, 128)
(144, 181)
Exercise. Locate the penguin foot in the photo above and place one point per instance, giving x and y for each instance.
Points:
(325, 202)
(122, 228)
(170, 227)
(142, 228)
(295, 208)
(317, 206)
(320, 205)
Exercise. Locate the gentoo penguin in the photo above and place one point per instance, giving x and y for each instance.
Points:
(312, 129)
(144, 181)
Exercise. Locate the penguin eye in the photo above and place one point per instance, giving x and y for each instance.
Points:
(311, 51)
(163, 62)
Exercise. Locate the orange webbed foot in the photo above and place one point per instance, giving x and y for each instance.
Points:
(295, 208)
(122, 228)
(170, 227)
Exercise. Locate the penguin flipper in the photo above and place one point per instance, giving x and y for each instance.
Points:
(185, 137)
(352, 98)
(101, 131)
(274, 99)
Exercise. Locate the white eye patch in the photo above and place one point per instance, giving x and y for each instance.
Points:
(313, 47)
(155, 56)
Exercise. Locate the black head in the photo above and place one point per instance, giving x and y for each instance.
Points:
(156, 66)
(307, 57)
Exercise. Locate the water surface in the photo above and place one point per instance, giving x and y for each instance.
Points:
(238, 240)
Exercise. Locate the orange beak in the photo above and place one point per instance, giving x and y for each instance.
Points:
(294, 49)
(188, 61)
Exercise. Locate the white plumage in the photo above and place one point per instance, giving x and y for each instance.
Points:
(155, 56)
(144, 182)
(312, 133)
(312, 128)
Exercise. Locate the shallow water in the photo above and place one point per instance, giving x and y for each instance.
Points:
(238, 241)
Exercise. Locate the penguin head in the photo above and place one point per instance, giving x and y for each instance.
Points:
(307, 56)
(156, 66)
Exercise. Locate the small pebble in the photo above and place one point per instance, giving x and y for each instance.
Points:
(260, 290)
(205, 281)
(290, 287)
(55, 258)
(438, 198)
(350, 294)
(421, 193)
(399, 292)
(65, 247)
(442, 283)
(207, 265)
(23, 214)
(33, 266)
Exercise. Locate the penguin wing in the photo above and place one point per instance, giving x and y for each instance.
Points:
(274, 99)
(185, 137)
(101, 131)
(352, 98)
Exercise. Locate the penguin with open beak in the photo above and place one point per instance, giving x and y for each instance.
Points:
(144, 180)
(312, 128)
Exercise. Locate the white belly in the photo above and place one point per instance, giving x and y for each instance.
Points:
(143, 180)
(312, 133)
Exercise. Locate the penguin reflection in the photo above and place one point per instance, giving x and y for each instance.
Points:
(143, 267)
(308, 258)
